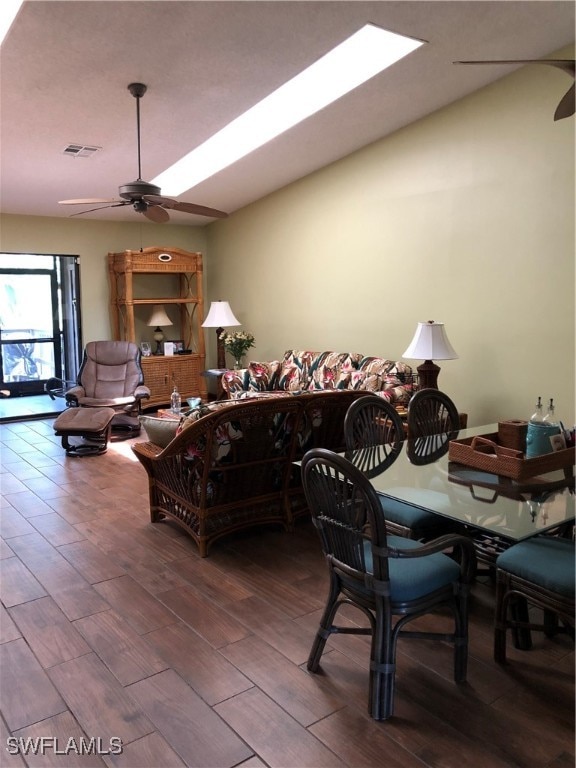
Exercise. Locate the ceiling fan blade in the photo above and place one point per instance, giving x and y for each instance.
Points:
(202, 210)
(168, 202)
(87, 201)
(156, 214)
(566, 106)
(116, 204)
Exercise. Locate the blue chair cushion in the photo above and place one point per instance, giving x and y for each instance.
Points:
(544, 560)
(412, 579)
(422, 523)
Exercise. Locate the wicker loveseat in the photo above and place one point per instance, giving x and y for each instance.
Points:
(301, 371)
(232, 464)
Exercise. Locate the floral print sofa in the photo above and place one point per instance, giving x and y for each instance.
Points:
(305, 371)
(231, 464)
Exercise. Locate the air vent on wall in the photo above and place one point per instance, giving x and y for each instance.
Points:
(80, 150)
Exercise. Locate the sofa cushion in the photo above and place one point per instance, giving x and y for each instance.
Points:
(304, 369)
(365, 380)
(262, 377)
(327, 377)
(294, 373)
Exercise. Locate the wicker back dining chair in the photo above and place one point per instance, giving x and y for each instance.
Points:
(431, 412)
(538, 572)
(392, 580)
(374, 435)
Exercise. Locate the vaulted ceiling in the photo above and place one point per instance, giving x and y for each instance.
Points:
(65, 67)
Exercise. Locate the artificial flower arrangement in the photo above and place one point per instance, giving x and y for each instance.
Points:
(237, 343)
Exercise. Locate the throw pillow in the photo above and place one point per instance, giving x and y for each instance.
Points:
(262, 376)
(159, 431)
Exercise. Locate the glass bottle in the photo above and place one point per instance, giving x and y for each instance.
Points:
(538, 415)
(550, 417)
(175, 401)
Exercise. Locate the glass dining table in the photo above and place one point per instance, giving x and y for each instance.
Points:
(496, 509)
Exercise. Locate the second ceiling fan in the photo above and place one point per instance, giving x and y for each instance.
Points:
(144, 197)
(566, 106)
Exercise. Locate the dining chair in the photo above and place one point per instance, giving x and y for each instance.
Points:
(374, 435)
(432, 412)
(391, 579)
(538, 572)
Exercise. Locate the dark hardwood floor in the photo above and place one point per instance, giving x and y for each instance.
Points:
(114, 628)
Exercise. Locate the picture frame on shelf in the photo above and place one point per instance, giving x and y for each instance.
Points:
(178, 346)
(145, 348)
(168, 348)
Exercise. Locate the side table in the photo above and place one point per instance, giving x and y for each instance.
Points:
(216, 375)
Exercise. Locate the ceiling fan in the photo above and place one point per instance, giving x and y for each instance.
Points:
(566, 106)
(143, 196)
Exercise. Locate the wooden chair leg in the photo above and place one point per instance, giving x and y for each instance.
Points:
(521, 636)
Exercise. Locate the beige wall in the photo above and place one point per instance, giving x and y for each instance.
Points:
(92, 241)
(466, 217)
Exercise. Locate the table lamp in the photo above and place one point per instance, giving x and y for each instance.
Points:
(158, 318)
(430, 341)
(220, 315)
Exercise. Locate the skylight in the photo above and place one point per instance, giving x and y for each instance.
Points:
(353, 62)
(8, 12)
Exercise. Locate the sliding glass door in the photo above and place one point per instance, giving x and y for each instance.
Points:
(39, 321)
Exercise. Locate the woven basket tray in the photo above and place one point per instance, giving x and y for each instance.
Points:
(484, 452)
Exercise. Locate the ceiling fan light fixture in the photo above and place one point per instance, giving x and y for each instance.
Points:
(357, 59)
(145, 197)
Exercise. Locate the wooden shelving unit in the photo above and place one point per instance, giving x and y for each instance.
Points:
(171, 277)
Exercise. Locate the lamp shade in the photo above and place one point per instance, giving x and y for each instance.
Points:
(430, 343)
(220, 315)
(159, 316)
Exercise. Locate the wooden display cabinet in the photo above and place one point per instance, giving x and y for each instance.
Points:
(173, 278)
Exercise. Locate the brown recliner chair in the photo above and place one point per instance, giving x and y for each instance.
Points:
(111, 377)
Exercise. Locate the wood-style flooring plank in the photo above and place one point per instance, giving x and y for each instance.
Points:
(90, 561)
(5, 550)
(75, 596)
(17, 584)
(8, 629)
(220, 586)
(29, 504)
(275, 736)
(197, 734)
(293, 601)
(362, 741)
(152, 751)
(215, 626)
(12, 523)
(26, 693)
(65, 744)
(55, 529)
(291, 638)
(212, 676)
(97, 700)
(292, 688)
(135, 604)
(48, 632)
(11, 757)
(126, 654)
